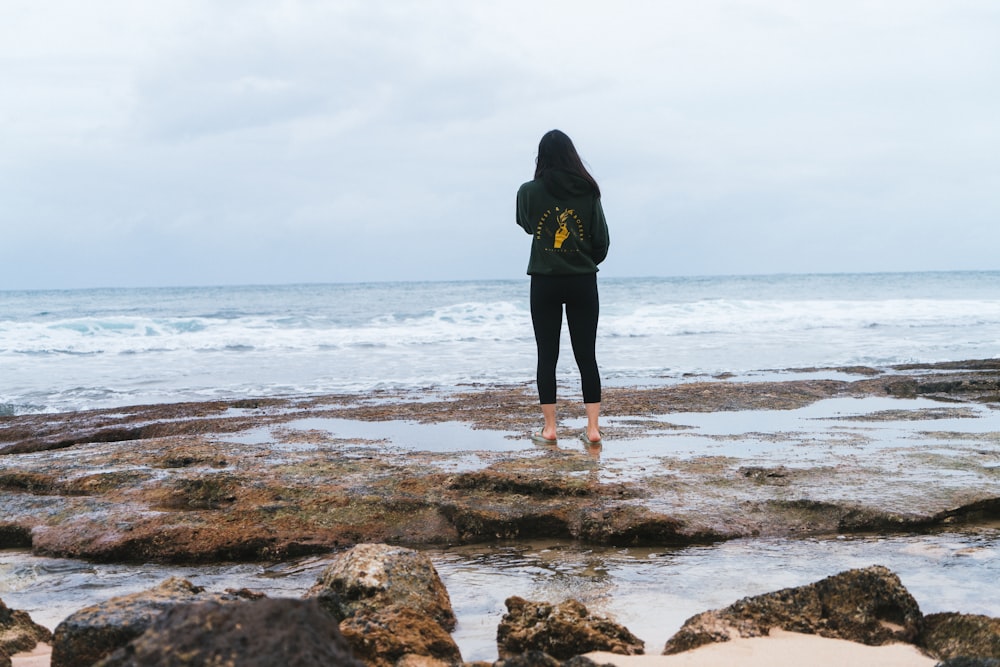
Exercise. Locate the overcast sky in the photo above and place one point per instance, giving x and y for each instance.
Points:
(233, 141)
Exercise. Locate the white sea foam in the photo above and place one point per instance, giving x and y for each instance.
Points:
(63, 350)
(136, 335)
(769, 316)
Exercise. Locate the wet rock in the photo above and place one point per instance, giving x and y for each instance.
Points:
(761, 475)
(99, 483)
(504, 521)
(391, 605)
(871, 520)
(376, 576)
(27, 482)
(18, 632)
(162, 538)
(203, 492)
(723, 396)
(794, 517)
(94, 632)
(487, 480)
(979, 384)
(165, 484)
(902, 388)
(962, 364)
(397, 636)
(869, 606)
(952, 635)
(32, 433)
(263, 633)
(562, 631)
(981, 511)
(633, 526)
(14, 537)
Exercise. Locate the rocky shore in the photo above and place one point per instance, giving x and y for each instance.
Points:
(272, 479)
(385, 606)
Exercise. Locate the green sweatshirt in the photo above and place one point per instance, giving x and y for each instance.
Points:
(566, 221)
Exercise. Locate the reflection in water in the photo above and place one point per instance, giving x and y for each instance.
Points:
(653, 591)
(592, 451)
(650, 591)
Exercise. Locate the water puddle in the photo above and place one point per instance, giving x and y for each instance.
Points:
(650, 591)
(823, 433)
(815, 435)
(869, 413)
(443, 437)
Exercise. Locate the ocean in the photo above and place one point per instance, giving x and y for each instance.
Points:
(65, 350)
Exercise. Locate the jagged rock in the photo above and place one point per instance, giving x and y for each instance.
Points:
(875, 520)
(398, 635)
(868, 606)
(391, 605)
(92, 633)
(260, 633)
(630, 525)
(544, 487)
(952, 635)
(18, 632)
(14, 537)
(376, 576)
(562, 631)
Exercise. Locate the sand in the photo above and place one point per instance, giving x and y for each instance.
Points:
(781, 649)
(40, 657)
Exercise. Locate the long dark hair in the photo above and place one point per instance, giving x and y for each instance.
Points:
(556, 151)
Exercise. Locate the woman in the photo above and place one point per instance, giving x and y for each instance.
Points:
(561, 209)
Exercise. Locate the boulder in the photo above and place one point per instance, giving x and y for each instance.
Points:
(397, 636)
(869, 606)
(260, 633)
(92, 633)
(951, 636)
(376, 576)
(18, 632)
(561, 631)
(391, 604)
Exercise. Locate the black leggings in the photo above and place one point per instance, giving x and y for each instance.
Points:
(579, 293)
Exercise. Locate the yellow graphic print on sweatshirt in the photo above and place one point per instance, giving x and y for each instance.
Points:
(563, 232)
(560, 231)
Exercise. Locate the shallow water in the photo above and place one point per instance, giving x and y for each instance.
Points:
(695, 427)
(650, 591)
(653, 591)
(823, 433)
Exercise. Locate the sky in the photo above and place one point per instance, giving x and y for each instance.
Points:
(215, 142)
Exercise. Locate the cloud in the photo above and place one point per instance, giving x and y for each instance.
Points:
(276, 142)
